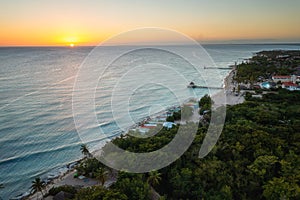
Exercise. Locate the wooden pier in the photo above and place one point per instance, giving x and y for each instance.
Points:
(204, 87)
(223, 68)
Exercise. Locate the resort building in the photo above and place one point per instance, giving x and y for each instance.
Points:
(290, 86)
(281, 78)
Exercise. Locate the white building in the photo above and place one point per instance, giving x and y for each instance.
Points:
(290, 86)
(281, 78)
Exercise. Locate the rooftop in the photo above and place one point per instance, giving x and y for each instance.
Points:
(279, 76)
(290, 84)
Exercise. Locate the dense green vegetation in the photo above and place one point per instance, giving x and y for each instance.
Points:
(205, 104)
(256, 157)
(98, 192)
(250, 72)
(267, 63)
(89, 167)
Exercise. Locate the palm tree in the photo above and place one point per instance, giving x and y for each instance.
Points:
(84, 150)
(37, 186)
(154, 178)
(101, 175)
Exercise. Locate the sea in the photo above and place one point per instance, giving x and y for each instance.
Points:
(39, 136)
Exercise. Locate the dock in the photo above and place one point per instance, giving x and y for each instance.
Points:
(223, 68)
(205, 87)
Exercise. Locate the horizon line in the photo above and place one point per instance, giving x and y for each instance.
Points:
(162, 44)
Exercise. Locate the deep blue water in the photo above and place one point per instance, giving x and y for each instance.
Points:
(37, 130)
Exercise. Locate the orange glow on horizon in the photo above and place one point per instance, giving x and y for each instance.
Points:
(61, 23)
(87, 37)
(47, 39)
(71, 39)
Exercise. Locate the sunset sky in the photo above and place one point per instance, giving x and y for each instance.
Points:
(88, 22)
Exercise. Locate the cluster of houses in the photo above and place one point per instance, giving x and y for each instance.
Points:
(152, 122)
(280, 55)
(161, 119)
(287, 82)
(291, 83)
(280, 58)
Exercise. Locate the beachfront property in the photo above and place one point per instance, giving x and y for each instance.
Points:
(168, 125)
(287, 82)
(152, 122)
(161, 118)
(291, 78)
(290, 86)
(279, 78)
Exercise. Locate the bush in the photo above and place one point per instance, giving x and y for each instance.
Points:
(206, 100)
(205, 103)
(248, 96)
(88, 166)
(170, 119)
(177, 115)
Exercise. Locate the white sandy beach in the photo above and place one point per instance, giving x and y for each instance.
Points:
(226, 96)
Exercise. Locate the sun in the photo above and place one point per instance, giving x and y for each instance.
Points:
(72, 45)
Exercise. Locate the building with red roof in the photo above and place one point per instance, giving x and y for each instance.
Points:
(290, 86)
(281, 78)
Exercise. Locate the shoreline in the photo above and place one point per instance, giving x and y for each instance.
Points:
(54, 177)
(59, 180)
(229, 97)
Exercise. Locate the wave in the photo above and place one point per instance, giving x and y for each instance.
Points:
(17, 99)
(31, 93)
(139, 108)
(29, 155)
(64, 80)
(104, 124)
